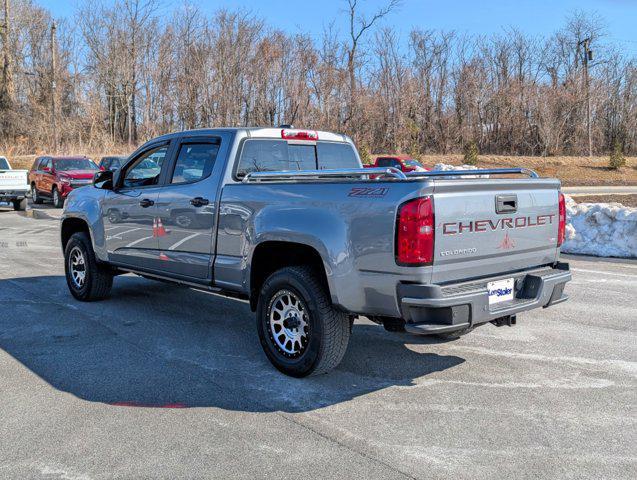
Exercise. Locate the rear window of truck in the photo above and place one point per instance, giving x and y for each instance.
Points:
(279, 155)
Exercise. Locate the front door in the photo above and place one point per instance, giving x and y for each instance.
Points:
(130, 210)
(186, 207)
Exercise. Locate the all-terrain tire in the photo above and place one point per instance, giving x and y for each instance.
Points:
(98, 279)
(328, 328)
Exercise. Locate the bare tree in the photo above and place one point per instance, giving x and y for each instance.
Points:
(358, 25)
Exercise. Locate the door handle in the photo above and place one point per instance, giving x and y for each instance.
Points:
(506, 203)
(199, 202)
(145, 203)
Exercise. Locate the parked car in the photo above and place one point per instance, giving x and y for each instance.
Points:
(311, 247)
(14, 185)
(403, 162)
(55, 177)
(112, 162)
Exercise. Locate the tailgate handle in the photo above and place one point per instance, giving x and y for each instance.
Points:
(506, 204)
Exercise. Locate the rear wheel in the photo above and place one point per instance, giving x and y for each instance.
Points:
(20, 205)
(300, 330)
(87, 280)
(58, 200)
(35, 196)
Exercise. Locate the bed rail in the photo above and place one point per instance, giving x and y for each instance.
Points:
(377, 173)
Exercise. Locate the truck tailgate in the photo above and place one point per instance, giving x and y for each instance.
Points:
(486, 227)
(11, 180)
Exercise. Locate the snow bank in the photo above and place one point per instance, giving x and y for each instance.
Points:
(600, 229)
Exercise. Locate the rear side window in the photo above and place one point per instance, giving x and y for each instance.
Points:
(278, 155)
(194, 162)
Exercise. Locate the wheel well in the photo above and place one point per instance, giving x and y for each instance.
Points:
(71, 226)
(269, 257)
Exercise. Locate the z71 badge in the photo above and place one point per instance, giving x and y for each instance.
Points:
(368, 192)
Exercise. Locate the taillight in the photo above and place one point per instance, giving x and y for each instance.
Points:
(561, 229)
(288, 134)
(415, 232)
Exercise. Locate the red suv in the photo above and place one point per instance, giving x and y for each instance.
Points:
(55, 177)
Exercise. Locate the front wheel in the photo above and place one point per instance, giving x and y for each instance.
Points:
(58, 200)
(35, 196)
(87, 280)
(300, 330)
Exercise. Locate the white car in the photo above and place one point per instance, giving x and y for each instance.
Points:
(14, 185)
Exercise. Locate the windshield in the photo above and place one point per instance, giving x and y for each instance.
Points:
(67, 164)
(4, 164)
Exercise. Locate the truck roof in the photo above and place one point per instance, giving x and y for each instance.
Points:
(258, 132)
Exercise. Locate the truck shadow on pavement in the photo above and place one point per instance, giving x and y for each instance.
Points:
(160, 345)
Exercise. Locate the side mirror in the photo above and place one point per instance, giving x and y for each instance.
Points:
(103, 179)
(46, 169)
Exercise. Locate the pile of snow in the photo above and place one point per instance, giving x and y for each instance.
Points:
(600, 229)
(444, 167)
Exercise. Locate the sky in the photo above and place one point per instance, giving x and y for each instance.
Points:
(535, 17)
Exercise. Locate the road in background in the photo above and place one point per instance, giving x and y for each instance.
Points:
(609, 190)
(162, 381)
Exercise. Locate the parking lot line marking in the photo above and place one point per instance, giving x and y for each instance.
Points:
(139, 241)
(113, 228)
(182, 241)
(601, 272)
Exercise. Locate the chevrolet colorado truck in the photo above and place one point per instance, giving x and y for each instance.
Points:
(289, 220)
(14, 185)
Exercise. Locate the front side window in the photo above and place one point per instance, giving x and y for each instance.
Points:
(194, 162)
(145, 170)
(66, 164)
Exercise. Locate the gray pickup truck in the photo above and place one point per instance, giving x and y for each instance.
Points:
(289, 220)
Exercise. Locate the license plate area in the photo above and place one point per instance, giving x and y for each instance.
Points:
(501, 291)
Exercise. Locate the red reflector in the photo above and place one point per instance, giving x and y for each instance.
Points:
(288, 134)
(561, 229)
(415, 227)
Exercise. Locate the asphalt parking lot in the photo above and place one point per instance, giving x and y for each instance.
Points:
(161, 381)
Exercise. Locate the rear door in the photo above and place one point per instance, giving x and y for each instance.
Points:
(187, 206)
(486, 227)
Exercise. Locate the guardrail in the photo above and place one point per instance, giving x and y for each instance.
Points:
(377, 173)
